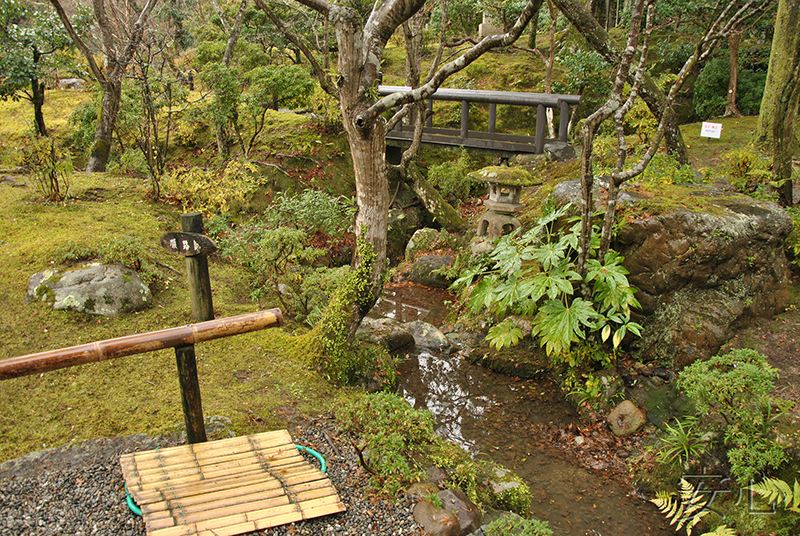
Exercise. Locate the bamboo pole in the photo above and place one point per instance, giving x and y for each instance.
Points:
(14, 367)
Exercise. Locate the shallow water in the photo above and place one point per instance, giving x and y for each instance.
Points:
(496, 416)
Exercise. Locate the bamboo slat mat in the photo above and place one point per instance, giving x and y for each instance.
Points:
(227, 487)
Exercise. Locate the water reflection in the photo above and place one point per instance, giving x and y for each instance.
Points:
(428, 382)
(406, 302)
(508, 420)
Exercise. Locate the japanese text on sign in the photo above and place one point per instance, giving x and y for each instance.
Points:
(711, 130)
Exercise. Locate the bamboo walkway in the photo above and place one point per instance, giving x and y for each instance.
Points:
(227, 487)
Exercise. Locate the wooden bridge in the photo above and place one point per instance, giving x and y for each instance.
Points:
(490, 141)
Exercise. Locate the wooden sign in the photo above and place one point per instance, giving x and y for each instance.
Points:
(188, 244)
(711, 130)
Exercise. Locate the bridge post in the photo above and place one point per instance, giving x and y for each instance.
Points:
(541, 121)
(563, 120)
(492, 117)
(464, 120)
(429, 113)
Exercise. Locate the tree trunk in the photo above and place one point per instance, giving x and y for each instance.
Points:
(109, 108)
(730, 107)
(784, 40)
(788, 100)
(368, 149)
(37, 95)
(37, 92)
(601, 42)
(534, 27)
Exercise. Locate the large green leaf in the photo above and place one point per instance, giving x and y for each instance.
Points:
(559, 325)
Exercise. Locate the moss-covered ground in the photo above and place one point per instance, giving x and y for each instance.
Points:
(258, 380)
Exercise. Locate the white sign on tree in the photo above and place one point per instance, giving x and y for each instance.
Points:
(711, 130)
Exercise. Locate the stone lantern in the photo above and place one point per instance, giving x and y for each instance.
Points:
(505, 189)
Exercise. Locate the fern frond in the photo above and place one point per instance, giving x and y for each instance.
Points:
(695, 520)
(775, 490)
(796, 502)
(686, 511)
(663, 501)
(722, 530)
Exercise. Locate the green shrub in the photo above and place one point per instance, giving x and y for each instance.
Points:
(394, 433)
(281, 249)
(665, 169)
(793, 240)
(83, 124)
(48, 166)
(125, 250)
(735, 387)
(452, 178)
(208, 190)
(312, 210)
(711, 89)
(131, 161)
(746, 168)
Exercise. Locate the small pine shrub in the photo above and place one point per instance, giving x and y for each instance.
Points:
(746, 169)
(393, 433)
(735, 387)
(452, 178)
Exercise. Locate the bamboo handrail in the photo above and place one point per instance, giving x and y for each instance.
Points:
(25, 365)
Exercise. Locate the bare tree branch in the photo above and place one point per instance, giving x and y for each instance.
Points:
(428, 89)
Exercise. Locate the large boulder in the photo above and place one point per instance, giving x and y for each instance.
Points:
(436, 521)
(98, 289)
(626, 419)
(468, 514)
(386, 332)
(428, 337)
(701, 271)
(424, 270)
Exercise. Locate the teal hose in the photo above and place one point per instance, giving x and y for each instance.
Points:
(132, 505)
(316, 454)
(138, 511)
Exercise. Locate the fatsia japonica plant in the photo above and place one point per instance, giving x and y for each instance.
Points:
(533, 274)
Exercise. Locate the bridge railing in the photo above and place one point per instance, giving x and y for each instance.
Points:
(490, 140)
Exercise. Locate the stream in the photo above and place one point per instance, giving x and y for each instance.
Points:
(504, 419)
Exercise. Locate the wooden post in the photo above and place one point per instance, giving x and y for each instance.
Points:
(197, 270)
(492, 117)
(429, 113)
(464, 119)
(190, 394)
(541, 122)
(202, 310)
(563, 120)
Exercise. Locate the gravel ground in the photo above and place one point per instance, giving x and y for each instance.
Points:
(79, 491)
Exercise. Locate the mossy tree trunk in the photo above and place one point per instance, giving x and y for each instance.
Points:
(782, 57)
(109, 109)
(783, 145)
